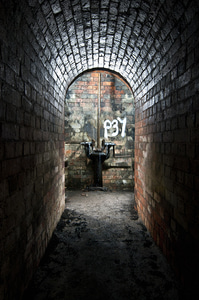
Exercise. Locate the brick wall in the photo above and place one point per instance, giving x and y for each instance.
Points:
(166, 152)
(31, 152)
(44, 46)
(81, 125)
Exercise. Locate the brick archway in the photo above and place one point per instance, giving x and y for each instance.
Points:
(116, 103)
(44, 46)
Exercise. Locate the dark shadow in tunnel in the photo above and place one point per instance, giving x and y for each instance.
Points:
(89, 258)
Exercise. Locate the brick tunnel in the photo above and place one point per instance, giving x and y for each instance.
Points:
(44, 46)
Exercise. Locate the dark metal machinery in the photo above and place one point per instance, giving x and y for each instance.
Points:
(98, 156)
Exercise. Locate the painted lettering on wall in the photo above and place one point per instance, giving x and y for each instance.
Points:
(112, 128)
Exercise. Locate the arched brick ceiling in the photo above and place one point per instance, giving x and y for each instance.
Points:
(130, 37)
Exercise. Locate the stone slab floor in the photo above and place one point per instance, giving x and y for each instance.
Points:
(101, 250)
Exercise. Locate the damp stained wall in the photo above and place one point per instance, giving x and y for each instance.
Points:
(44, 46)
(116, 125)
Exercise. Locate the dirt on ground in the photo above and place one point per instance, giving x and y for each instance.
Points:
(101, 250)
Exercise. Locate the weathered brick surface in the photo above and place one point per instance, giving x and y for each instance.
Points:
(116, 101)
(165, 189)
(32, 153)
(44, 46)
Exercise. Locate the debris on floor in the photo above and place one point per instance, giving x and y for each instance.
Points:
(101, 250)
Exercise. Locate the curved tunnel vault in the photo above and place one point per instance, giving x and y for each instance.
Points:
(44, 46)
(133, 38)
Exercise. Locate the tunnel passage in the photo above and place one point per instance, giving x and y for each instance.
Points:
(44, 46)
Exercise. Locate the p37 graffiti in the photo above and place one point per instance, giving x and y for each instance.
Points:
(112, 128)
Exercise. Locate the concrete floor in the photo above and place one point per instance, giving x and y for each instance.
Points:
(101, 250)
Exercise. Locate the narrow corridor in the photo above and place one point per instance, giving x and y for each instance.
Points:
(101, 250)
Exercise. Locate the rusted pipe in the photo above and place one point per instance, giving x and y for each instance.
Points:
(98, 111)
